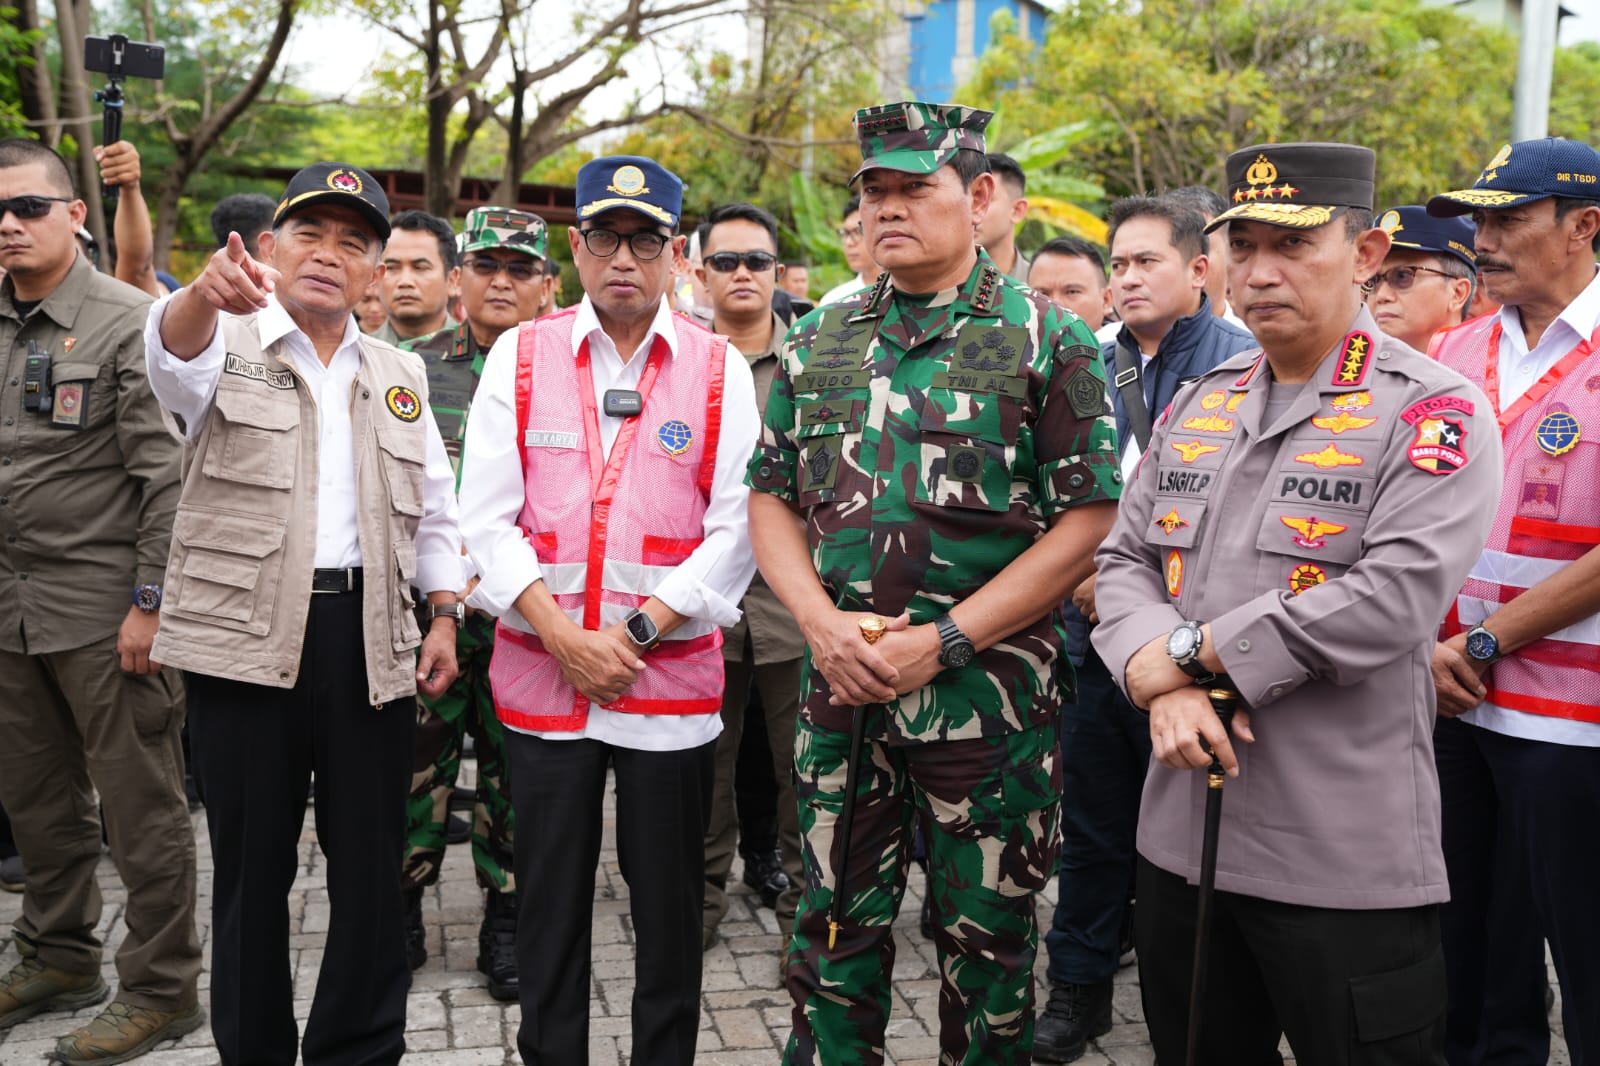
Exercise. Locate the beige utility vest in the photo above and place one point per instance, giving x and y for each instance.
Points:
(238, 582)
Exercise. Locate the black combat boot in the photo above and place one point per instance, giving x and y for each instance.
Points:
(497, 945)
(416, 940)
(763, 871)
(1074, 1015)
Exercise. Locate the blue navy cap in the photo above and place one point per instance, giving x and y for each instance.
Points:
(1412, 227)
(633, 183)
(1526, 171)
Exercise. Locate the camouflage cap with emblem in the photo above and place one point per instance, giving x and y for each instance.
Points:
(1411, 227)
(1299, 186)
(917, 137)
(505, 227)
(336, 183)
(630, 183)
(1526, 171)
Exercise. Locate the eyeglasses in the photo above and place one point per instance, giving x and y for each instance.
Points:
(728, 262)
(516, 269)
(26, 207)
(1402, 278)
(644, 244)
(850, 233)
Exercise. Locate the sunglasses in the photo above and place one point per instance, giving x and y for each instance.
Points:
(1402, 278)
(644, 244)
(728, 262)
(516, 269)
(26, 207)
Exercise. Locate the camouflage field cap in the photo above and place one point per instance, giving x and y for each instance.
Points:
(1526, 171)
(916, 137)
(505, 227)
(1299, 186)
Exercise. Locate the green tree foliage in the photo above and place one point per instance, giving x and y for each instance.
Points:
(1170, 87)
(15, 57)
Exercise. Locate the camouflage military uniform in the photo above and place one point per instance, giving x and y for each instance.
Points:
(454, 361)
(927, 442)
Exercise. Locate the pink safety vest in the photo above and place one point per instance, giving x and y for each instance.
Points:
(608, 530)
(1547, 517)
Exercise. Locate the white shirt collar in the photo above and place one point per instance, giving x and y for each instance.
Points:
(1581, 316)
(275, 324)
(587, 323)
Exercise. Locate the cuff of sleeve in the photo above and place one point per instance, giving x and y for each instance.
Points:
(498, 591)
(150, 575)
(1118, 643)
(1255, 656)
(1067, 483)
(771, 471)
(694, 599)
(439, 573)
(209, 359)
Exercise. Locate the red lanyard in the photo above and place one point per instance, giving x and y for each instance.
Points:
(1539, 389)
(603, 473)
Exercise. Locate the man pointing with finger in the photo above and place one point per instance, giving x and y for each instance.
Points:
(938, 452)
(317, 496)
(1299, 522)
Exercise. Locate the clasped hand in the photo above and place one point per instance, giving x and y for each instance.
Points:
(602, 664)
(905, 658)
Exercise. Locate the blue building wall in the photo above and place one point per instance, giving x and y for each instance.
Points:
(935, 45)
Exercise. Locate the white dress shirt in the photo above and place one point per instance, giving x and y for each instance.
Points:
(1519, 369)
(707, 585)
(187, 388)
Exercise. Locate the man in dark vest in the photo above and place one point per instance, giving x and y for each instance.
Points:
(503, 283)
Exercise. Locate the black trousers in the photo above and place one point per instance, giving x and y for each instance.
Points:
(256, 749)
(1493, 949)
(1348, 988)
(663, 808)
(1544, 799)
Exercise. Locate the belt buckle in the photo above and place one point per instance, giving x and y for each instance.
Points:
(349, 584)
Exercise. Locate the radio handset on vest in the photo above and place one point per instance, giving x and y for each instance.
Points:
(36, 383)
(622, 403)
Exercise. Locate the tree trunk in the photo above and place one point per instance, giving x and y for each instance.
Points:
(169, 190)
(438, 190)
(38, 95)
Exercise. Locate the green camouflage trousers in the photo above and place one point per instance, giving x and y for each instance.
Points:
(992, 806)
(467, 706)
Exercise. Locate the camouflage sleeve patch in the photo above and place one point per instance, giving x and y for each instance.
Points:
(1075, 434)
(772, 466)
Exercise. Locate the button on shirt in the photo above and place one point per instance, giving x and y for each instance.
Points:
(1519, 368)
(706, 585)
(188, 388)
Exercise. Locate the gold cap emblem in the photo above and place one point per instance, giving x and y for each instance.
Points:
(627, 181)
(1261, 172)
(345, 181)
(1390, 223)
(1501, 158)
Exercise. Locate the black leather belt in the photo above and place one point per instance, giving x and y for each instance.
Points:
(346, 579)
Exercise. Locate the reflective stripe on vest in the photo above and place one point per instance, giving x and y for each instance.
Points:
(1536, 533)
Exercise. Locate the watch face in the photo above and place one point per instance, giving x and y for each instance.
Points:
(1180, 645)
(959, 654)
(147, 598)
(641, 628)
(1482, 645)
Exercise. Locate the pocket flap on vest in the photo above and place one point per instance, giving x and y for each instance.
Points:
(251, 407)
(252, 535)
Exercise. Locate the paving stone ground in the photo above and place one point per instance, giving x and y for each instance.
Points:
(452, 1020)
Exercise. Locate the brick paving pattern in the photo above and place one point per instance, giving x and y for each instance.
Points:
(452, 1021)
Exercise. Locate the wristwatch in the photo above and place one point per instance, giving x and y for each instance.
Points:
(1183, 646)
(642, 630)
(955, 649)
(1482, 645)
(457, 612)
(147, 598)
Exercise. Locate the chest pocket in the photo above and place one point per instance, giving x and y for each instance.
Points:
(404, 464)
(1314, 530)
(968, 448)
(82, 397)
(259, 443)
(824, 430)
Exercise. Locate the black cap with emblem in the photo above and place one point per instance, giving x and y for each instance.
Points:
(1300, 186)
(336, 183)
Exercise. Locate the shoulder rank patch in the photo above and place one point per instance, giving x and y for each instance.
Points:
(1330, 458)
(1174, 573)
(675, 436)
(1558, 431)
(1312, 532)
(1439, 446)
(1434, 405)
(403, 403)
(1244, 379)
(1189, 451)
(1306, 576)
(1354, 359)
(1171, 521)
(1208, 424)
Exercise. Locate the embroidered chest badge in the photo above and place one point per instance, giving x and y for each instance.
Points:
(1312, 532)
(1306, 576)
(1558, 431)
(675, 437)
(1189, 451)
(403, 403)
(1171, 521)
